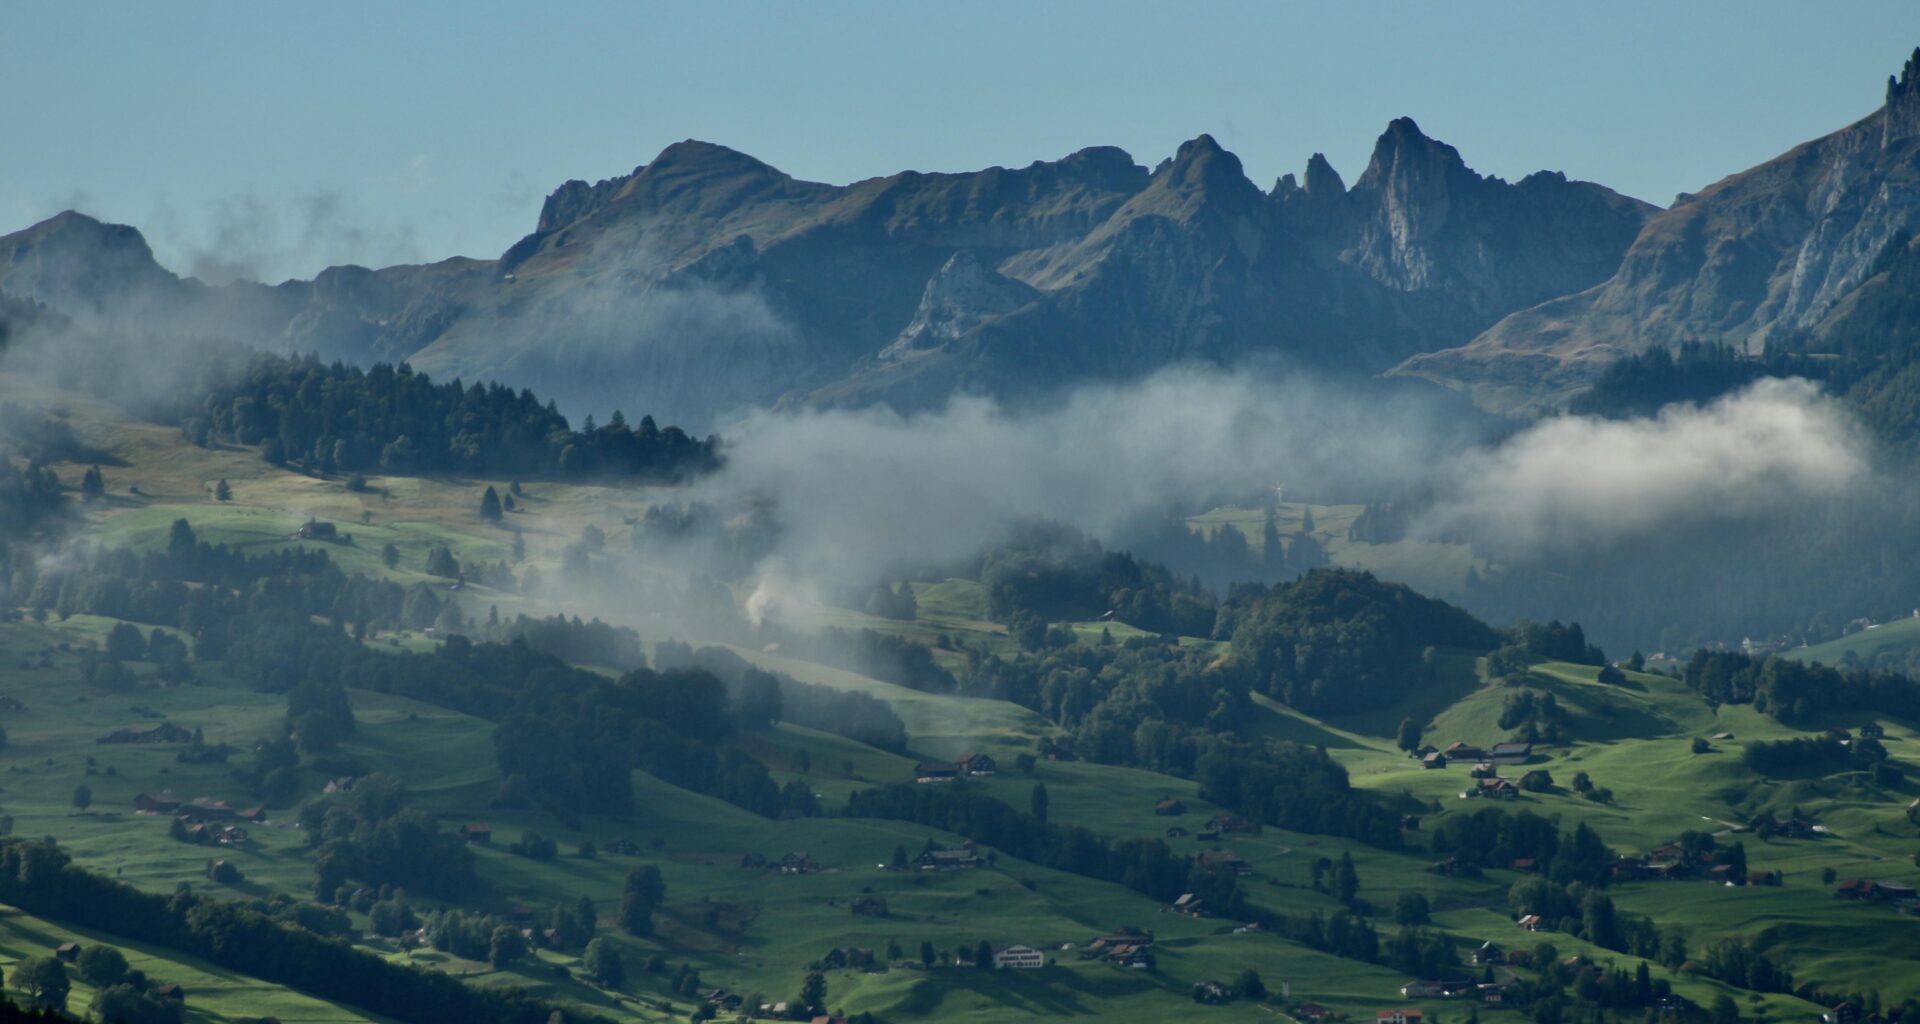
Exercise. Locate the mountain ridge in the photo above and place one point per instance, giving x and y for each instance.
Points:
(707, 281)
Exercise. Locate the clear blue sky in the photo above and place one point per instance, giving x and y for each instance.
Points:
(276, 138)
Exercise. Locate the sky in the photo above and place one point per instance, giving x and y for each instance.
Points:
(270, 140)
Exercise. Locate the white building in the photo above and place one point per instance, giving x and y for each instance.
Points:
(1023, 958)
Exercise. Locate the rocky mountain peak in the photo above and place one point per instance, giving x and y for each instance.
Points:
(1404, 152)
(1901, 116)
(1322, 179)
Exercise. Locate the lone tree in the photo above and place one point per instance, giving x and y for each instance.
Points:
(926, 954)
(1250, 986)
(983, 955)
(440, 562)
(222, 492)
(43, 980)
(82, 797)
(1411, 909)
(645, 892)
(603, 963)
(1409, 739)
(390, 556)
(92, 485)
(1346, 880)
(813, 994)
(490, 506)
(101, 966)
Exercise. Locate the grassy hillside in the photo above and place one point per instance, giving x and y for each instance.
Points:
(755, 932)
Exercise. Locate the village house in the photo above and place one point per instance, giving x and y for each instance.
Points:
(476, 832)
(1312, 1011)
(950, 860)
(1131, 956)
(1224, 823)
(1532, 923)
(1434, 760)
(869, 906)
(1227, 859)
(1399, 1017)
(1495, 991)
(1169, 807)
(1190, 904)
(1494, 789)
(1462, 751)
(935, 771)
(1510, 753)
(207, 809)
(1127, 936)
(797, 864)
(163, 802)
(723, 1000)
(1537, 779)
(1489, 955)
(1453, 867)
(1484, 770)
(976, 764)
(1019, 958)
(848, 959)
(315, 529)
(1787, 828)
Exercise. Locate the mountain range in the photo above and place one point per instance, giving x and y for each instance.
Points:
(706, 281)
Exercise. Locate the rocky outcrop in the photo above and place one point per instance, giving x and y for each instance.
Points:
(1746, 262)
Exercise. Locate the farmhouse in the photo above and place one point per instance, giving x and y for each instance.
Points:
(1227, 859)
(1224, 823)
(935, 771)
(1537, 780)
(950, 860)
(1489, 955)
(869, 906)
(976, 764)
(1434, 760)
(1495, 991)
(1462, 751)
(206, 808)
(1511, 753)
(340, 785)
(163, 802)
(476, 832)
(1169, 807)
(1211, 993)
(1176, 832)
(1495, 789)
(1532, 923)
(1019, 958)
(68, 951)
(1312, 1011)
(797, 864)
(1190, 904)
(315, 529)
(1131, 956)
(1398, 1017)
(1128, 936)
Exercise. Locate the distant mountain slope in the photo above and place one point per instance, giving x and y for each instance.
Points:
(1747, 262)
(707, 280)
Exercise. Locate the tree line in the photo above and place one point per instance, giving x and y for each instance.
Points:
(334, 418)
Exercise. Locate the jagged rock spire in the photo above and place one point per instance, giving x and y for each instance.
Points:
(1901, 116)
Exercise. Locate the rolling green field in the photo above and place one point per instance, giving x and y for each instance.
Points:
(755, 931)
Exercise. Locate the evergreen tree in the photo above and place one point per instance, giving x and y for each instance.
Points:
(1409, 739)
(1346, 880)
(92, 485)
(1038, 802)
(644, 893)
(82, 797)
(983, 955)
(390, 556)
(926, 954)
(519, 550)
(490, 506)
(222, 492)
(813, 993)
